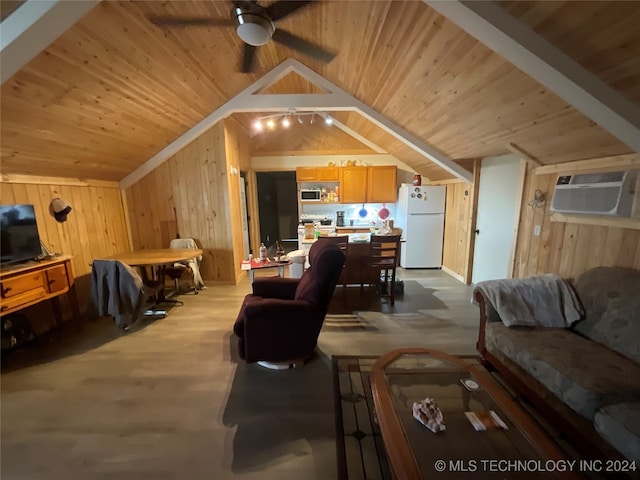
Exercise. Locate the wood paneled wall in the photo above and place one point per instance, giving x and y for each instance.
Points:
(459, 224)
(201, 182)
(96, 226)
(568, 249)
(238, 150)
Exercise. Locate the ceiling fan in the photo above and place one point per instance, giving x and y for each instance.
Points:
(256, 26)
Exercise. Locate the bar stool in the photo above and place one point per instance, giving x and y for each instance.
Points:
(383, 258)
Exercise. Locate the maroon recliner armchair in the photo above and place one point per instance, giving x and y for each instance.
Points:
(280, 322)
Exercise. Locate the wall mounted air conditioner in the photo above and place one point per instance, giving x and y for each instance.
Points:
(610, 193)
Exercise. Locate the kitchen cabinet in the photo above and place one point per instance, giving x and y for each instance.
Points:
(317, 174)
(377, 184)
(24, 286)
(353, 184)
(382, 184)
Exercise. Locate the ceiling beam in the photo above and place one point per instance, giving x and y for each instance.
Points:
(33, 27)
(545, 63)
(311, 102)
(335, 100)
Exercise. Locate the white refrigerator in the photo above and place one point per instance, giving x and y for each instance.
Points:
(420, 214)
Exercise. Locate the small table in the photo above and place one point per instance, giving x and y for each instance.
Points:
(156, 258)
(404, 376)
(253, 265)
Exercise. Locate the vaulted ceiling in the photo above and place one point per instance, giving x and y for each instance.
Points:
(114, 89)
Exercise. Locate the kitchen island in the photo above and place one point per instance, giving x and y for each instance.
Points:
(356, 270)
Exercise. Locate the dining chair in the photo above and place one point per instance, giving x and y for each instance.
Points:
(384, 251)
(179, 269)
(342, 241)
(117, 290)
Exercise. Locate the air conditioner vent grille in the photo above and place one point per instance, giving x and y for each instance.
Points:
(593, 200)
(609, 193)
(607, 177)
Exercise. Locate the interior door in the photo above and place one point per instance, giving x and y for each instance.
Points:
(499, 199)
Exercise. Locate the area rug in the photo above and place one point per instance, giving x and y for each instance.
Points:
(360, 450)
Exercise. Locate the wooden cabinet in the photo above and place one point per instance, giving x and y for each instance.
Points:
(317, 174)
(376, 184)
(27, 285)
(22, 290)
(369, 184)
(328, 174)
(382, 184)
(353, 184)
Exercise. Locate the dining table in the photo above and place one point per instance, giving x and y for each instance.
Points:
(157, 259)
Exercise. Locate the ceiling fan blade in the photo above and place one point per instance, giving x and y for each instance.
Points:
(282, 8)
(248, 55)
(303, 46)
(190, 22)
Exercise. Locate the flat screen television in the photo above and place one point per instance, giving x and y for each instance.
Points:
(20, 240)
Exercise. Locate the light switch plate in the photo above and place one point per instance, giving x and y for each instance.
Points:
(536, 230)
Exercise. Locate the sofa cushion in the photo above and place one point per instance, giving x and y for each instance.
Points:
(620, 425)
(611, 299)
(581, 373)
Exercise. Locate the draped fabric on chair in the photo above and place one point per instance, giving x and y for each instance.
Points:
(281, 320)
(177, 270)
(117, 290)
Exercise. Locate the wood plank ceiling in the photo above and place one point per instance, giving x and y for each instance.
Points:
(114, 89)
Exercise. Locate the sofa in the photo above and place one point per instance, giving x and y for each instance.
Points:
(582, 370)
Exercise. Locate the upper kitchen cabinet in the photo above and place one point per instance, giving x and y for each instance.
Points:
(382, 184)
(353, 184)
(368, 184)
(317, 174)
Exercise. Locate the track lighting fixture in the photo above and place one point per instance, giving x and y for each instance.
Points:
(286, 118)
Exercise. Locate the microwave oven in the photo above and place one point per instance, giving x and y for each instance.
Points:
(310, 195)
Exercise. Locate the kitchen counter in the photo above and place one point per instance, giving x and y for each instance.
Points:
(358, 227)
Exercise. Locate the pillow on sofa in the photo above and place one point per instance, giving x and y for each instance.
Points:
(611, 299)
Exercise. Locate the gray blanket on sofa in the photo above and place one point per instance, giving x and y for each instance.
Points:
(542, 300)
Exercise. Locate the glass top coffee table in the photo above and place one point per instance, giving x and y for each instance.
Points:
(402, 377)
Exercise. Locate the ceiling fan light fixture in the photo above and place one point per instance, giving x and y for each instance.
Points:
(253, 29)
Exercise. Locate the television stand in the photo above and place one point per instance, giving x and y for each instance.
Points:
(30, 283)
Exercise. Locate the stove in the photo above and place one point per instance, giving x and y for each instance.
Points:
(325, 219)
(325, 222)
